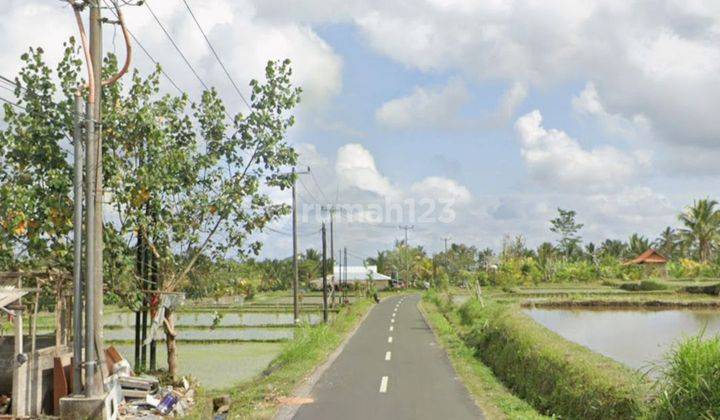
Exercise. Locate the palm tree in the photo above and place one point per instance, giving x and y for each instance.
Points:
(701, 221)
(637, 245)
(612, 248)
(667, 242)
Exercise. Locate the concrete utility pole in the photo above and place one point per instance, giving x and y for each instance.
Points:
(93, 361)
(346, 270)
(324, 276)
(332, 209)
(332, 252)
(407, 246)
(296, 312)
(339, 276)
(96, 227)
(406, 228)
(296, 309)
(446, 239)
(77, 243)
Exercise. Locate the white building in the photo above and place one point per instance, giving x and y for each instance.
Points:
(359, 273)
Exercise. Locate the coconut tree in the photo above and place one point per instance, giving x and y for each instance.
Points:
(701, 221)
(667, 242)
(637, 245)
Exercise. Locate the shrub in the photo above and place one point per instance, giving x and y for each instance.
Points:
(470, 311)
(579, 271)
(713, 289)
(556, 376)
(689, 388)
(610, 283)
(644, 286)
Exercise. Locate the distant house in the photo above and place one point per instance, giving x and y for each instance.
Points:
(353, 275)
(651, 260)
(651, 257)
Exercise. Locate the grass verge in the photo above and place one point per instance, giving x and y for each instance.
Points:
(556, 376)
(495, 400)
(259, 397)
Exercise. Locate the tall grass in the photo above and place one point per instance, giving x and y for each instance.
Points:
(690, 386)
(554, 375)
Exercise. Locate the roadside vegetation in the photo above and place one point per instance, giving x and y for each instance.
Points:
(553, 375)
(689, 388)
(541, 370)
(260, 397)
(495, 399)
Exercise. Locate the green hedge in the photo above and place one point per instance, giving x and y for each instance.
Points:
(556, 376)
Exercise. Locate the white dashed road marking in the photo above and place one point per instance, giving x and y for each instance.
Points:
(383, 384)
(390, 339)
(391, 328)
(388, 355)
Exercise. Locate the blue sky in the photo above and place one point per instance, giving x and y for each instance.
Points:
(507, 109)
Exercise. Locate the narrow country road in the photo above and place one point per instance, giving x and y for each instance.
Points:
(392, 368)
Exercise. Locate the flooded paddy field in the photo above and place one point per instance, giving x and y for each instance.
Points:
(638, 338)
(222, 319)
(216, 365)
(213, 335)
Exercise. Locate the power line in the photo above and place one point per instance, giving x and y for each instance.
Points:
(217, 57)
(12, 103)
(177, 48)
(149, 56)
(317, 184)
(309, 193)
(277, 231)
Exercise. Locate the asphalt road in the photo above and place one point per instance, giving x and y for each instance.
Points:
(392, 368)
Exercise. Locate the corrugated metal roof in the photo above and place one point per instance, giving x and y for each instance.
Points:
(359, 272)
(9, 294)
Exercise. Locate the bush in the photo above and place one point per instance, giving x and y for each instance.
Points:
(643, 286)
(712, 290)
(687, 268)
(610, 283)
(470, 311)
(579, 271)
(556, 376)
(690, 388)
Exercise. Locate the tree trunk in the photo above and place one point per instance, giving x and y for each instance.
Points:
(171, 343)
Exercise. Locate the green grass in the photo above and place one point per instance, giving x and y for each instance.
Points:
(690, 388)
(556, 376)
(258, 398)
(495, 400)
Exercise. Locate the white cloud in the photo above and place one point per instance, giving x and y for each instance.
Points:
(435, 107)
(440, 188)
(308, 155)
(244, 41)
(556, 160)
(355, 168)
(588, 103)
(661, 62)
(511, 100)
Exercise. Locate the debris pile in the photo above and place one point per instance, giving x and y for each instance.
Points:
(142, 396)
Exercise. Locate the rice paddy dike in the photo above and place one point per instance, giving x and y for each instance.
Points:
(584, 350)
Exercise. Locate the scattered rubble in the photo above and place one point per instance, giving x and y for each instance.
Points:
(142, 396)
